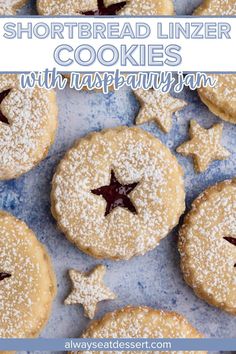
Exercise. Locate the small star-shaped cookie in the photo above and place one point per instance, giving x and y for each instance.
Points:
(157, 106)
(204, 146)
(89, 289)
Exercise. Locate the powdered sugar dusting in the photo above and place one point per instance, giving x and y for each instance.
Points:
(132, 8)
(10, 7)
(89, 289)
(207, 259)
(217, 8)
(157, 106)
(141, 322)
(32, 122)
(204, 146)
(26, 296)
(135, 156)
(220, 99)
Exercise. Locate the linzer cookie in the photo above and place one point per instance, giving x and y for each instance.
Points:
(158, 107)
(28, 122)
(89, 289)
(221, 99)
(10, 7)
(105, 7)
(207, 246)
(141, 322)
(117, 193)
(27, 281)
(216, 8)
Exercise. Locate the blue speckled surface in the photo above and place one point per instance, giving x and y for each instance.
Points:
(154, 279)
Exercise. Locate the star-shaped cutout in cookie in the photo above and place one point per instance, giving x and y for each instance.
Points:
(204, 146)
(3, 94)
(4, 275)
(116, 195)
(89, 289)
(157, 106)
(231, 240)
(102, 10)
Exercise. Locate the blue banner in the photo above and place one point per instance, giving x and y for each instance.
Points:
(134, 344)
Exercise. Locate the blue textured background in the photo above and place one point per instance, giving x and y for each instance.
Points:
(154, 279)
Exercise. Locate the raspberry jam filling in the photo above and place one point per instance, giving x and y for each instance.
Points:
(116, 195)
(4, 275)
(110, 10)
(3, 94)
(231, 240)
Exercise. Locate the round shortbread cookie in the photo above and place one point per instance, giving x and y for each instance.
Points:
(207, 245)
(221, 99)
(84, 7)
(108, 7)
(10, 7)
(216, 8)
(141, 322)
(28, 122)
(117, 193)
(27, 281)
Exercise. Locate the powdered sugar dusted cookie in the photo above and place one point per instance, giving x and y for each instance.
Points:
(89, 289)
(141, 322)
(105, 7)
(117, 193)
(157, 106)
(205, 145)
(28, 122)
(216, 8)
(10, 7)
(221, 99)
(207, 246)
(27, 281)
